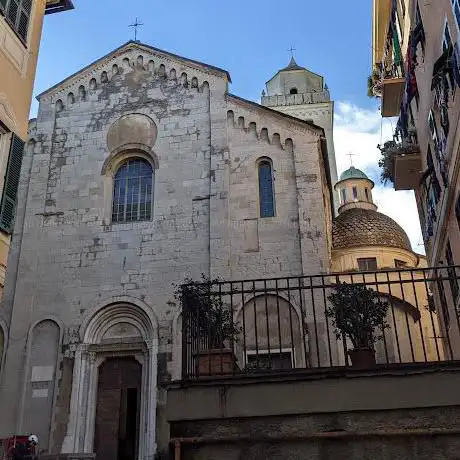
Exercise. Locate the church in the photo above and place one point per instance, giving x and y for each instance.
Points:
(142, 170)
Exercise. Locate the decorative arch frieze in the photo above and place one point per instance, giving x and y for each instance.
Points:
(262, 134)
(126, 60)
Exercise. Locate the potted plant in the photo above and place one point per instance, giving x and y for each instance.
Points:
(359, 314)
(374, 84)
(391, 148)
(212, 324)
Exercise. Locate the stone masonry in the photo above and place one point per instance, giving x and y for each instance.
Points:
(69, 262)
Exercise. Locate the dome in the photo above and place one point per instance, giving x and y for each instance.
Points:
(366, 227)
(353, 173)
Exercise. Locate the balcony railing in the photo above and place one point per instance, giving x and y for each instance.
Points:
(250, 327)
(392, 71)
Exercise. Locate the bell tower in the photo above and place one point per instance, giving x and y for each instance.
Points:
(298, 92)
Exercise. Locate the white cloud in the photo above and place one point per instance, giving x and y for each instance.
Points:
(359, 131)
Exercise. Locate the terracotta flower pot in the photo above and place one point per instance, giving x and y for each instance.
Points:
(216, 362)
(362, 358)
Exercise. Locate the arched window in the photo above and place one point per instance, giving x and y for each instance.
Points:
(133, 191)
(266, 195)
(293, 91)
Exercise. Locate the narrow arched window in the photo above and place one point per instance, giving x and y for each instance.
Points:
(266, 195)
(133, 191)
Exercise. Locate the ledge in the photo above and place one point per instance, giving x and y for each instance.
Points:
(58, 6)
(316, 391)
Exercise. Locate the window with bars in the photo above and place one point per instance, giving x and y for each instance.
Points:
(343, 194)
(266, 192)
(133, 191)
(453, 281)
(17, 14)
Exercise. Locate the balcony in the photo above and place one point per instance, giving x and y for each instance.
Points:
(401, 164)
(393, 83)
(314, 323)
(57, 6)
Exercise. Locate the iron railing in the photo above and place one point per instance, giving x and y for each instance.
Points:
(287, 324)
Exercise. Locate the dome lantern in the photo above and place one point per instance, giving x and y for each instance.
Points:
(355, 190)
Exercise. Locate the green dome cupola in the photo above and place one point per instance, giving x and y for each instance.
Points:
(355, 190)
(353, 173)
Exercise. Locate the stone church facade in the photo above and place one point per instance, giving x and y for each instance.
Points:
(142, 170)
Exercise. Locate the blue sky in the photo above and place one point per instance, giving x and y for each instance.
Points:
(250, 39)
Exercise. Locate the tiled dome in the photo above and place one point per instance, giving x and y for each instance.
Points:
(365, 227)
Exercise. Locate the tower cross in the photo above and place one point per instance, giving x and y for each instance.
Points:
(351, 155)
(291, 50)
(136, 26)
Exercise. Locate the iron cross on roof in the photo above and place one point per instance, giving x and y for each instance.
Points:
(351, 155)
(291, 50)
(136, 25)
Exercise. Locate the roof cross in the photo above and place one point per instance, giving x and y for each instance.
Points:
(291, 50)
(136, 25)
(351, 155)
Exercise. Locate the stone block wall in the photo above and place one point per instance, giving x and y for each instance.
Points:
(335, 415)
(68, 260)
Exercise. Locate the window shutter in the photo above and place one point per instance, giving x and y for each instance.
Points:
(12, 13)
(10, 187)
(27, 6)
(23, 25)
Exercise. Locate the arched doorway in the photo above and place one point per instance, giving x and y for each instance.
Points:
(118, 409)
(114, 385)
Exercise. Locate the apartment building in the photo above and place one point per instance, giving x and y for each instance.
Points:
(20, 33)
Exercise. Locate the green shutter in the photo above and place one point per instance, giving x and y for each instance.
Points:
(396, 48)
(23, 24)
(10, 187)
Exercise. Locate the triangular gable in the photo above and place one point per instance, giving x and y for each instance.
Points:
(133, 45)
